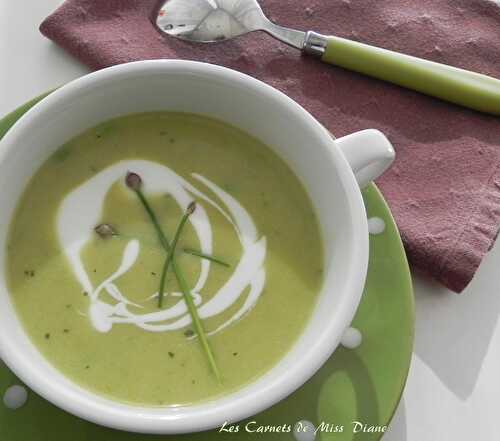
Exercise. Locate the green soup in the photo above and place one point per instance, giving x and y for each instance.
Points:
(90, 304)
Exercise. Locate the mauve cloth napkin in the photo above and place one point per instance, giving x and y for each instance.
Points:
(444, 188)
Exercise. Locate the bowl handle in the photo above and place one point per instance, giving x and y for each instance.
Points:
(368, 152)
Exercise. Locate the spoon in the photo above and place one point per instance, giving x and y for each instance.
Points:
(208, 21)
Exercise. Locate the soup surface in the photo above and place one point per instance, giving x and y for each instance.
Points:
(90, 303)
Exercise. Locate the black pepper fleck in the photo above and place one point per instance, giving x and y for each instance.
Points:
(171, 354)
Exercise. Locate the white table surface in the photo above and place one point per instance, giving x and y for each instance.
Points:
(453, 391)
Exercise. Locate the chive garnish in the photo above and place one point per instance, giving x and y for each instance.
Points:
(205, 256)
(190, 209)
(196, 319)
(134, 182)
(105, 230)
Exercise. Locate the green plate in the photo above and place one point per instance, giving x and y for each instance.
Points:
(364, 384)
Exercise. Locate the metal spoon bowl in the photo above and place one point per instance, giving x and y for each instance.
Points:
(208, 21)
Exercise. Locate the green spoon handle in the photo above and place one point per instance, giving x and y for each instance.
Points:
(459, 86)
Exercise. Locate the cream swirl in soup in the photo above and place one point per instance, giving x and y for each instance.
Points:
(80, 212)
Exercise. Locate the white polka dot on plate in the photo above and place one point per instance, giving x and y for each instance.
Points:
(351, 338)
(15, 397)
(304, 430)
(376, 225)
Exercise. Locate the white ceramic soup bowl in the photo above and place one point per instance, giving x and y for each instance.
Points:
(331, 171)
